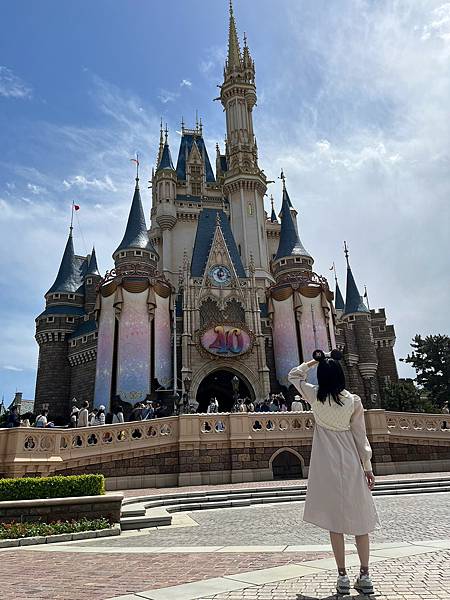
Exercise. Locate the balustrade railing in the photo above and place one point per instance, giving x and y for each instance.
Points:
(417, 423)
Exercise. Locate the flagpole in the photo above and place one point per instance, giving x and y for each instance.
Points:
(366, 296)
(71, 217)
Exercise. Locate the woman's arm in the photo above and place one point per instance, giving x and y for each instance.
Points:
(297, 376)
(358, 429)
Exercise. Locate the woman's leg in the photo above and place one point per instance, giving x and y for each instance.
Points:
(363, 547)
(338, 545)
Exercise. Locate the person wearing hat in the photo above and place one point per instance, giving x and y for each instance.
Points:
(340, 477)
(100, 416)
(297, 405)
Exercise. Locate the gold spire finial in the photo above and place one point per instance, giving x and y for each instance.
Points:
(283, 178)
(234, 51)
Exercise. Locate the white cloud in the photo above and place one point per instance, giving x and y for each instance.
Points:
(11, 368)
(166, 96)
(11, 86)
(84, 183)
(186, 83)
(35, 189)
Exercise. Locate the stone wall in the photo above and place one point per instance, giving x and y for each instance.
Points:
(82, 381)
(53, 380)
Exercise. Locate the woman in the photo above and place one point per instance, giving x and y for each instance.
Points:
(340, 477)
(100, 417)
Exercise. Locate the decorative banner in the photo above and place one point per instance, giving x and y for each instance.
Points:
(163, 350)
(313, 331)
(226, 341)
(133, 365)
(285, 343)
(105, 350)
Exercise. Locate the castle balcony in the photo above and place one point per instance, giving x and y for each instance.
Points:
(213, 448)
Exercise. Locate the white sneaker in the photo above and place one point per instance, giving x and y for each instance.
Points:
(364, 585)
(343, 585)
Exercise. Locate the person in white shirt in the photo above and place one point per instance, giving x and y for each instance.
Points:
(83, 415)
(118, 415)
(297, 405)
(100, 416)
(41, 420)
(340, 477)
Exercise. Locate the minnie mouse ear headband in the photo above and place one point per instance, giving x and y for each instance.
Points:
(320, 355)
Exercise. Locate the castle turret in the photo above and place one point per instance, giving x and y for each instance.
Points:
(64, 311)
(135, 247)
(244, 182)
(92, 280)
(291, 255)
(360, 349)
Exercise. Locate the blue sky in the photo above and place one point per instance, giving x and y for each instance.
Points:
(353, 101)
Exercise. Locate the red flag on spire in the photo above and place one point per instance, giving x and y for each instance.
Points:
(75, 207)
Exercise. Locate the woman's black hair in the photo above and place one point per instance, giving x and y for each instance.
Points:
(330, 376)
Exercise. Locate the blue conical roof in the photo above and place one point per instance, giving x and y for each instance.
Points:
(70, 275)
(136, 234)
(92, 268)
(290, 244)
(353, 301)
(166, 159)
(338, 299)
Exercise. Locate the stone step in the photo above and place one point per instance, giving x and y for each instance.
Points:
(289, 489)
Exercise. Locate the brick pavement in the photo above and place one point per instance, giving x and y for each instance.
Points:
(34, 575)
(424, 577)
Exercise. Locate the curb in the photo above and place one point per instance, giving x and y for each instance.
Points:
(61, 537)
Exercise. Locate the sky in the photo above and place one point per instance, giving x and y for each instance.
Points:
(353, 104)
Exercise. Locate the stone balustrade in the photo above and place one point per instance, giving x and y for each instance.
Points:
(171, 448)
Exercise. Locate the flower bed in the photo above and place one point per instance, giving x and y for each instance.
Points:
(13, 531)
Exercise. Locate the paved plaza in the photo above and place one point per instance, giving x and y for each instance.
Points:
(263, 552)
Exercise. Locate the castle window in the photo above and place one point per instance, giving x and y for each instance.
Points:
(50, 319)
(283, 261)
(122, 254)
(239, 248)
(138, 252)
(387, 379)
(89, 281)
(84, 339)
(56, 296)
(297, 260)
(196, 188)
(382, 328)
(71, 296)
(73, 343)
(70, 320)
(195, 170)
(352, 318)
(250, 208)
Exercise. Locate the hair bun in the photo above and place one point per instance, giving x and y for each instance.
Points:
(336, 354)
(319, 355)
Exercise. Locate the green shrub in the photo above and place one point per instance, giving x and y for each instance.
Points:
(13, 531)
(60, 486)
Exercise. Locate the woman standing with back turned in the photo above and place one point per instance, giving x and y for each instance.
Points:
(340, 477)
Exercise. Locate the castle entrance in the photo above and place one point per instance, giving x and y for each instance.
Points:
(219, 384)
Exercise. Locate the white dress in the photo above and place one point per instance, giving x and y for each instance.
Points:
(338, 498)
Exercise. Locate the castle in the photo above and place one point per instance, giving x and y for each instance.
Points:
(217, 293)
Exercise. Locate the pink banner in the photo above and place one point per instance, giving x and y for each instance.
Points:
(285, 343)
(133, 365)
(163, 348)
(105, 350)
(313, 331)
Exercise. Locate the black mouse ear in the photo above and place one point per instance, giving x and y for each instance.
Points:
(318, 355)
(336, 354)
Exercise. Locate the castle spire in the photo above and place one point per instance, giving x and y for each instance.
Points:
(165, 160)
(234, 51)
(273, 216)
(290, 244)
(68, 279)
(92, 268)
(136, 234)
(353, 300)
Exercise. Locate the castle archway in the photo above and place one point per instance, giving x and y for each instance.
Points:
(218, 384)
(287, 463)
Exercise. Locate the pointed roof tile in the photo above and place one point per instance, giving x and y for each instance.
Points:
(290, 244)
(353, 301)
(338, 299)
(136, 233)
(92, 268)
(70, 277)
(166, 159)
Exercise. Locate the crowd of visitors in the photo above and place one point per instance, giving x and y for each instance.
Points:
(273, 403)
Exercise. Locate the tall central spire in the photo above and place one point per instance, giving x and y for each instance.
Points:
(234, 50)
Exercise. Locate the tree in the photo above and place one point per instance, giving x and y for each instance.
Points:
(405, 397)
(431, 360)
